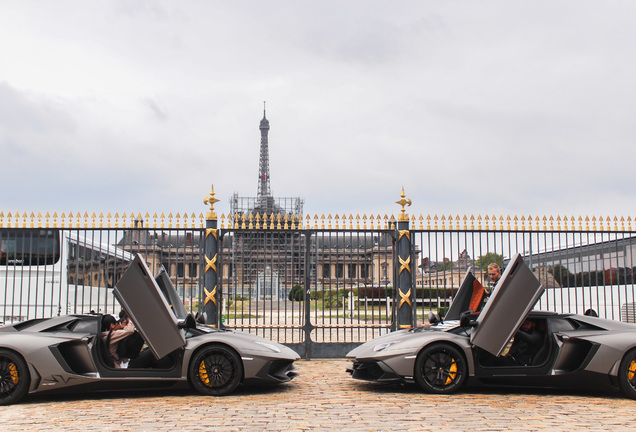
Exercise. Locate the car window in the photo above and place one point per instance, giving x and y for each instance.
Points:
(85, 326)
(559, 325)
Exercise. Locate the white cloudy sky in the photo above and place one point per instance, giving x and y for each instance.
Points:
(497, 107)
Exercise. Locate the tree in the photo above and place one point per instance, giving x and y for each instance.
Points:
(297, 293)
(562, 276)
(491, 257)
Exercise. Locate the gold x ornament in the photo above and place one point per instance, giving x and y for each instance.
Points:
(406, 264)
(210, 263)
(406, 298)
(403, 233)
(212, 231)
(210, 296)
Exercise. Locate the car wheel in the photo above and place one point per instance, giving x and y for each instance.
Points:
(440, 368)
(14, 377)
(215, 371)
(627, 374)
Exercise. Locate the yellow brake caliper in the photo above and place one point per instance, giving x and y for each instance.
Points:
(452, 373)
(13, 370)
(631, 371)
(203, 374)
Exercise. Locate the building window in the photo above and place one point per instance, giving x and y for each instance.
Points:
(180, 270)
(326, 270)
(192, 270)
(364, 271)
(339, 270)
(352, 271)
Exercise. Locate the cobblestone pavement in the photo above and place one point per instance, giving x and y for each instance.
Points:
(324, 398)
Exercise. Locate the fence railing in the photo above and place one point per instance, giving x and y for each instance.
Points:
(319, 281)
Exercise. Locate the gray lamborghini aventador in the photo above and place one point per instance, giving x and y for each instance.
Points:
(68, 353)
(504, 344)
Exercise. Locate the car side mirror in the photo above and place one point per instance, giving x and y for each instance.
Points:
(188, 323)
(467, 319)
(432, 317)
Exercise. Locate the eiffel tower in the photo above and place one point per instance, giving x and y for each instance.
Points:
(265, 203)
(265, 264)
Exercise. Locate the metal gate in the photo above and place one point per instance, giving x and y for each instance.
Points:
(321, 292)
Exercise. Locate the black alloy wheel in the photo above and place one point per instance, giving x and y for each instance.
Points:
(14, 377)
(440, 368)
(215, 371)
(627, 374)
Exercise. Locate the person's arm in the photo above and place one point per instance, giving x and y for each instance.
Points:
(122, 333)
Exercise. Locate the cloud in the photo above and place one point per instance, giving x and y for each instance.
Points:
(472, 107)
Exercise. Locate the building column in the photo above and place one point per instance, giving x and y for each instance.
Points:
(210, 295)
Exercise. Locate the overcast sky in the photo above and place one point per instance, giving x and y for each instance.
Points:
(474, 107)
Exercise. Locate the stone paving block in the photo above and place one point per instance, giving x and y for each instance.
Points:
(323, 398)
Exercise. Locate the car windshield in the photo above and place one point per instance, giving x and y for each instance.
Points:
(440, 326)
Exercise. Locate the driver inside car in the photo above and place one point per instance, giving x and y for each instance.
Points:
(121, 339)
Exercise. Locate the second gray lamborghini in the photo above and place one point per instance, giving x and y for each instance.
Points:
(506, 344)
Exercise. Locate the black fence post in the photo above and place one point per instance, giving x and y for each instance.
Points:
(404, 281)
(210, 294)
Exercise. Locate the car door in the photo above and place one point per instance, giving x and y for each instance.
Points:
(512, 299)
(170, 294)
(470, 289)
(138, 293)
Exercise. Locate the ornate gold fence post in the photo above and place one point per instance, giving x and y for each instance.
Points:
(210, 294)
(404, 280)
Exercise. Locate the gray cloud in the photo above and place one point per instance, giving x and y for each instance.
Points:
(473, 107)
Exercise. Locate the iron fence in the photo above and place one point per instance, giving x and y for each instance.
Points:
(321, 285)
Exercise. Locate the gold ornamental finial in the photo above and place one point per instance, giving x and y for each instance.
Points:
(210, 200)
(403, 216)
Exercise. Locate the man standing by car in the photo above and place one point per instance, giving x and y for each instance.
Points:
(494, 274)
